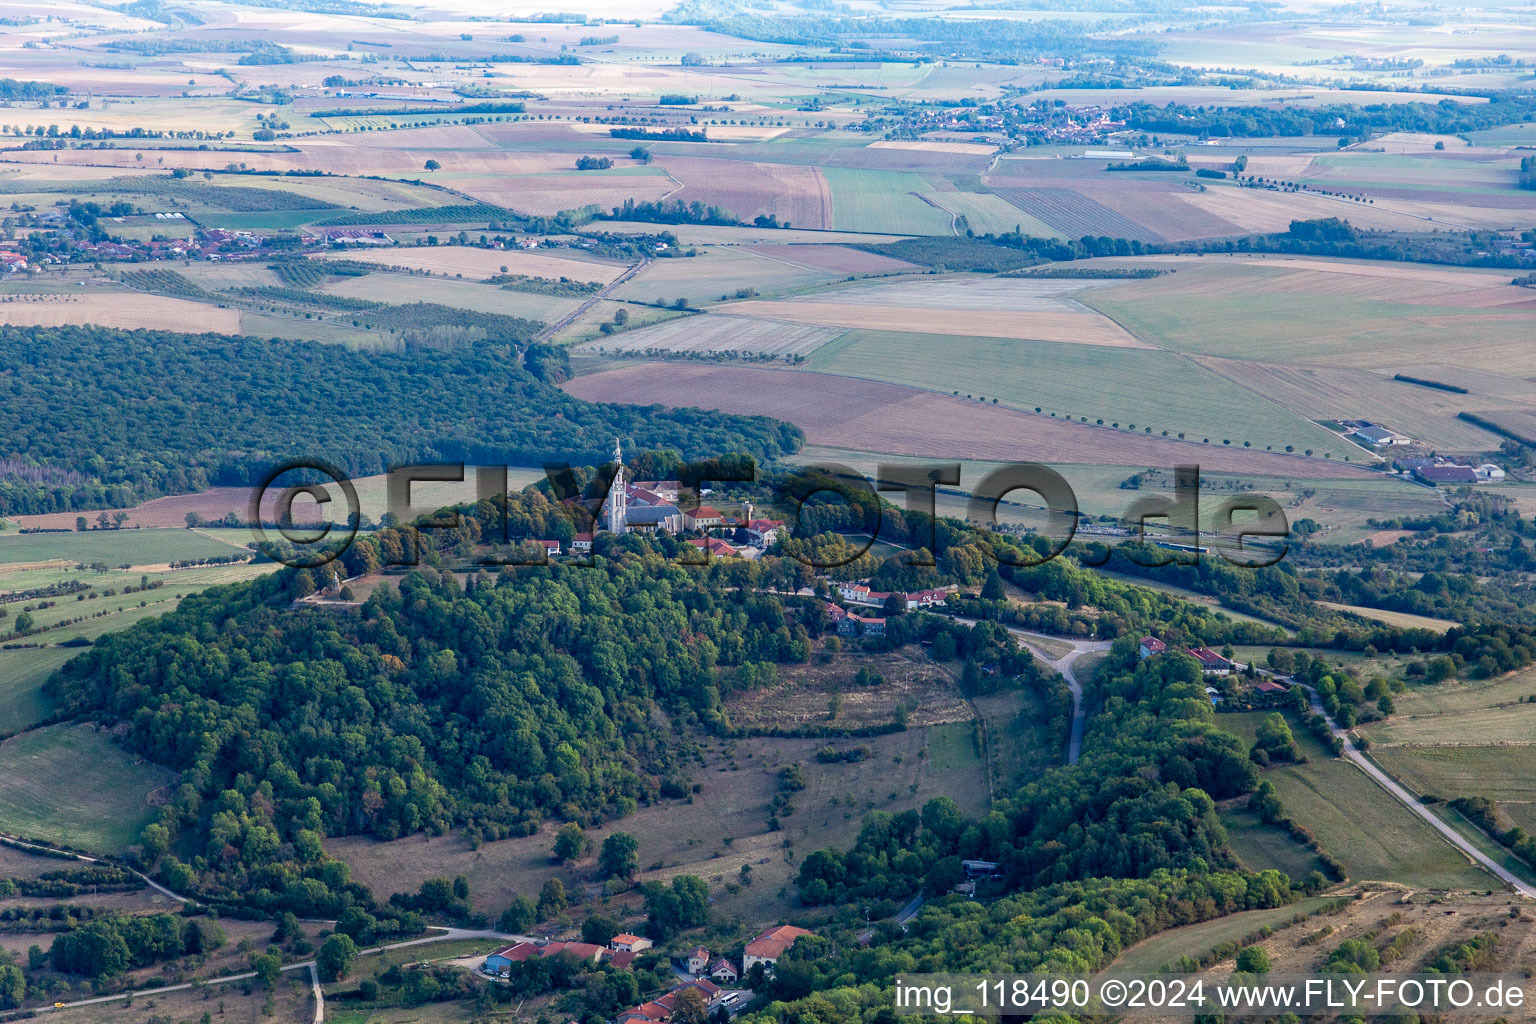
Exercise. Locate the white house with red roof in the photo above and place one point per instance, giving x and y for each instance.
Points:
(1211, 663)
(627, 943)
(703, 518)
(770, 945)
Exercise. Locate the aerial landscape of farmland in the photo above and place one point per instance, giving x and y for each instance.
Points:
(749, 511)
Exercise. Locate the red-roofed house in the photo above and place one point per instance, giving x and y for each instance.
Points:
(853, 624)
(1211, 663)
(660, 1009)
(500, 962)
(582, 542)
(702, 518)
(715, 546)
(771, 944)
(1268, 686)
(764, 531)
(723, 971)
(626, 943)
(698, 959)
(1150, 645)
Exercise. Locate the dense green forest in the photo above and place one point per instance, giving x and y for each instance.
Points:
(99, 418)
(1350, 120)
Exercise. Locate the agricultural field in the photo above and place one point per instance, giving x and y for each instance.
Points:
(893, 202)
(884, 418)
(405, 288)
(1134, 387)
(717, 273)
(479, 264)
(740, 336)
(436, 184)
(114, 548)
(45, 794)
(1375, 837)
(1067, 328)
(1321, 313)
(129, 310)
(1453, 740)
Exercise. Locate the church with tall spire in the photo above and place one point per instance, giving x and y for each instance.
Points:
(618, 498)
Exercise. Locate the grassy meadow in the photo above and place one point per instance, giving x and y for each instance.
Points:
(71, 785)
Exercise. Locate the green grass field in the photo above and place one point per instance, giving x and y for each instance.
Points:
(1375, 837)
(1497, 772)
(883, 201)
(22, 673)
(1509, 724)
(1260, 847)
(1164, 949)
(70, 784)
(1247, 318)
(1132, 387)
(110, 547)
(987, 213)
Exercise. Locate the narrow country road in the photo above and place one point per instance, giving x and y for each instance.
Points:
(442, 935)
(162, 890)
(1409, 801)
(314, 983)
(559, 325)
(1062, 665)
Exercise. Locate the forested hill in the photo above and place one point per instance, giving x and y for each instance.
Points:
(488, 706)
(105, 418)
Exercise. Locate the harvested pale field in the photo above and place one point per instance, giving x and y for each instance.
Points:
(401, 152)
(721, 234)
(718, 334)
(833, 259)
(845, 412)
(1278, 165)
(1402, 620)
(548, 194)
(795, 194)
(1070, 328)
(991, 294)
(1331, 393)
(126, 310)
(716, 273)
(479, 264)
(1519, 422)
(1414, 276)
(1261, 211)
(1410, 142)
(924, 146)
